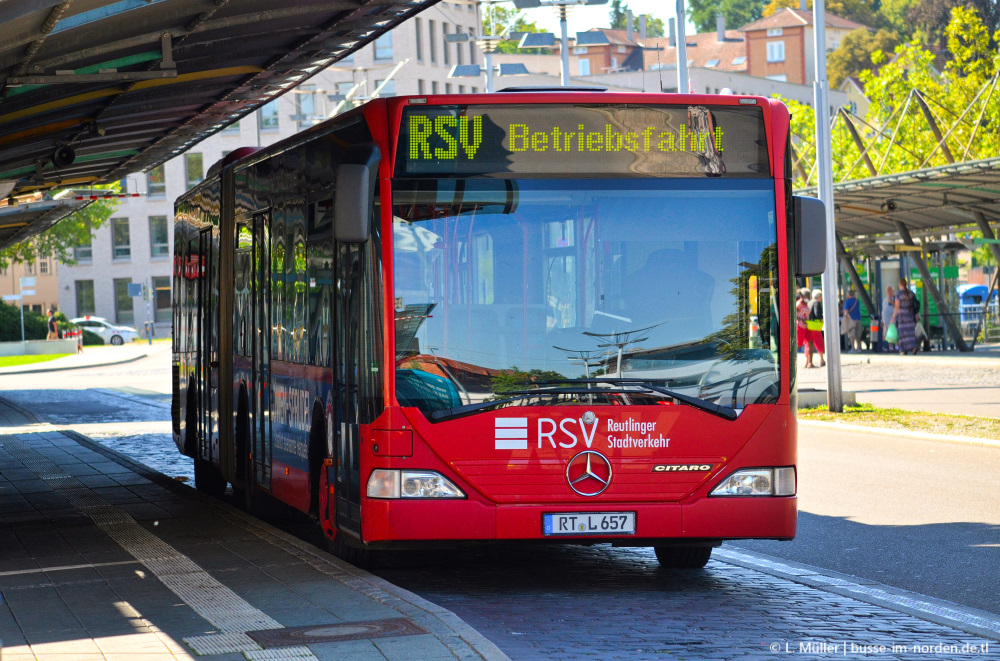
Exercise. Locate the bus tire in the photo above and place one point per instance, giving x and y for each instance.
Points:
(208, 479)
(683, 557)
(357, 556)
(317, 452)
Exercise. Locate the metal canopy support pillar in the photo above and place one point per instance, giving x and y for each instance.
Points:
(824, 169)
(563, 48)
(929, 286)
(683, 85)
(860, 144)
(855, 278)
(929, 116)
(987, 231)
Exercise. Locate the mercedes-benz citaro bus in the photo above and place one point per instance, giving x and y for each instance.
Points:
(538, 315)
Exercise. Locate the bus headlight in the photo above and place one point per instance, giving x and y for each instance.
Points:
(390, 483)
(758, 482)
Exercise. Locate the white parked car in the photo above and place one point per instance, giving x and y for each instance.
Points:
(109, 332)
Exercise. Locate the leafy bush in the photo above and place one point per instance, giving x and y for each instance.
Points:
(91, 339)
(35, 325)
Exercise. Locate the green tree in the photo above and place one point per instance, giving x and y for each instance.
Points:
(890, 85)
(618, 20)
(855, 54)
(496, 19)
(737, 12)
(864, 12)
(59, 240)
(616, 17)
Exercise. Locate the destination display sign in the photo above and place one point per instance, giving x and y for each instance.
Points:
(549, 140)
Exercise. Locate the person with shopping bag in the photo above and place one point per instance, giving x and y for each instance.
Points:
(814, 327)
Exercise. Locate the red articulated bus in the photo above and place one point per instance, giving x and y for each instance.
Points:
(529, 315)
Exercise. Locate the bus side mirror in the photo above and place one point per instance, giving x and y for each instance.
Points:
(810, 236)
(353, 202)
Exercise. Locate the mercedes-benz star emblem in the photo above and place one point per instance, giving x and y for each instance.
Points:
(588, 473)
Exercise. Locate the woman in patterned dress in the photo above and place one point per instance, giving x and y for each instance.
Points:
(904, 319)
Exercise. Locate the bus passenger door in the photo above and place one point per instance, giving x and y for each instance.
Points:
(208, 358)
(347, 347)
(261, 314)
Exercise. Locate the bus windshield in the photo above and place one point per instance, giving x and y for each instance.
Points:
(508, 285)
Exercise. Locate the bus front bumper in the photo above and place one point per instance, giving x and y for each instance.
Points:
(765, 517)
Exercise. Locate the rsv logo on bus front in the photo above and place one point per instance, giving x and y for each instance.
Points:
(516, 433)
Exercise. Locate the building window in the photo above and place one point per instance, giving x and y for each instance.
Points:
(579, 50)
(472, 44)
(774, 32)
(584, 67)
(156, 182)
(621, 49)
(780, 77)
(305, 106)
(194, 169)
(461, 89)
(445, 55)
(383, 47)
(475, 90)
(739, 60)
(420, 85)
(431, 42)
(159, 238)
(83, 252)
(614, 64)
(388, 90)
(43, 267)
(711, 64)
(124, 313)
(161, 299)
(85, 298)
(269, 116)
(434, 87)
(447, 88)
(120, 238)
(419, 44)
(232, 128)
(775, 51)
(29, 268)
(458, 46)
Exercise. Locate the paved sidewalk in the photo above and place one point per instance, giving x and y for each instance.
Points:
(98, 356)
(936, 382)
(104, 559)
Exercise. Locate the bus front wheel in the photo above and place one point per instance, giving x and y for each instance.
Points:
(208, 479)
(683, 557)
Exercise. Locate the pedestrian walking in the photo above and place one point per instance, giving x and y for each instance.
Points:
(905, 317)
(53, 328)
(801, 325)
(888, 307)
(814, 327)
(852, 320)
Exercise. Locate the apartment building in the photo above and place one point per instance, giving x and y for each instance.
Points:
(781, 46)
(136, 244)
(46, 287)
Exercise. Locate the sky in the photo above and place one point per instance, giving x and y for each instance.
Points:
(580, 19)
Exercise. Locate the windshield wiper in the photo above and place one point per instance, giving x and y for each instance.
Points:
(704, 405)
(456, 411)
(701, 404)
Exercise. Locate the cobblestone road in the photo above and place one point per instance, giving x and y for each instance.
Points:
(564, 602)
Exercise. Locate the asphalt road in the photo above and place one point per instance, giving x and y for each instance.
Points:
(919, 515)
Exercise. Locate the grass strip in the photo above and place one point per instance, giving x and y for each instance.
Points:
(12, 361)
(922, 421)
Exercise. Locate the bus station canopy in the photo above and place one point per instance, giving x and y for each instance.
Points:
(91, 90)
(932, 201)
(21, 222)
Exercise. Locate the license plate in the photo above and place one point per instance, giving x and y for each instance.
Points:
(589, 523)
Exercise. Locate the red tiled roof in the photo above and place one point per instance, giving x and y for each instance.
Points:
(701, 49)
(792, 18)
